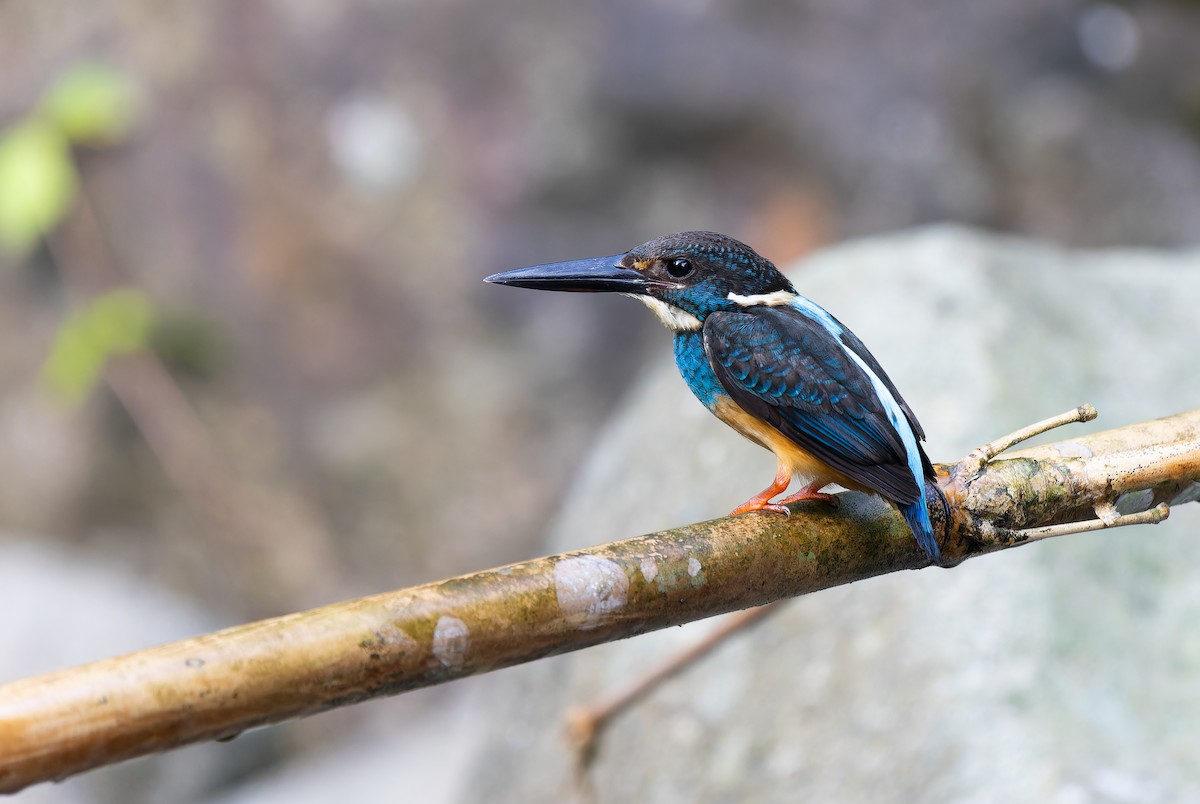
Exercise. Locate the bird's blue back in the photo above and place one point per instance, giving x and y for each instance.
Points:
(833, 429)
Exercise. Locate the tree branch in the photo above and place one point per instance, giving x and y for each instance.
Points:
(217, 685)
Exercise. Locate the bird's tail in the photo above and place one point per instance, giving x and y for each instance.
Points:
(917, 515)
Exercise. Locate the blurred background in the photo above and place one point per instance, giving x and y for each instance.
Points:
(247, 362)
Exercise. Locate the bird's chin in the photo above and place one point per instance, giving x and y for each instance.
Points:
(672, 317)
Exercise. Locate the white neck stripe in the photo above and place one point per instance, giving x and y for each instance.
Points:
(776, 299)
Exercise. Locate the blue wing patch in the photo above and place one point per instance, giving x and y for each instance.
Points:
(790, 371)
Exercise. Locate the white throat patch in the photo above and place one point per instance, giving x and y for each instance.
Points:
(672, 317)
(776, 299)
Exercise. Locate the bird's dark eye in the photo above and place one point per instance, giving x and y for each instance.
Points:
(680, 268)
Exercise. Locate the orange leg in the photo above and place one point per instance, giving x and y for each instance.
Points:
(762, 500)
(810, 492)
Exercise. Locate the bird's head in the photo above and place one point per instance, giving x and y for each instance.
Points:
(682, 277)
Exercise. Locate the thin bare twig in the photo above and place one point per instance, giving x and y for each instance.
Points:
(586, 724)
(1152, 517)
(977, 458)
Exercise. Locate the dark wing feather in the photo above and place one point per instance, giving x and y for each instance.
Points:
(851, 340)
(787, 370)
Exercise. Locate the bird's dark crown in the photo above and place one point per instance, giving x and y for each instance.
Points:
(697, 271)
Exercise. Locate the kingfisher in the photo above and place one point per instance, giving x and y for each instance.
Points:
(770, 363)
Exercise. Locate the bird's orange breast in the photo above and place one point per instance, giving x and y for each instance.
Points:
(803, 464)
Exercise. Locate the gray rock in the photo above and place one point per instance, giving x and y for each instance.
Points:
(1061, 672)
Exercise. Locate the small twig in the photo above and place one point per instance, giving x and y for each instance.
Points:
(1011, 502)
(1151, 517)
(977, 458)
(585, 724)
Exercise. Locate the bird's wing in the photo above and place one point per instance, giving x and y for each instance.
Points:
(788, 370)
(852, 342)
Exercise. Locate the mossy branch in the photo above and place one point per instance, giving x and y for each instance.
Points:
(217, 685)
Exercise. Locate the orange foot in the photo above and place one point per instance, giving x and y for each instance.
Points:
(762, 500)
(755, 504)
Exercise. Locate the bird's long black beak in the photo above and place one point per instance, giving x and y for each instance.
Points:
(596, 275)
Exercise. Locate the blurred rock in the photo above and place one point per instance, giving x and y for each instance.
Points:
(1060, 672)
(373, 142)
(1109, 37)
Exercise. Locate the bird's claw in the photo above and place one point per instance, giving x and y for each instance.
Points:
(746, 508)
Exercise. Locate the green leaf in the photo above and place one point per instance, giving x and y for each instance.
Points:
(37, 182)
(111, 325)
(92, 105)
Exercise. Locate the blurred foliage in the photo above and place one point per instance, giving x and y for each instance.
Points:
(37, 182)
(92, 105)
(111, 325)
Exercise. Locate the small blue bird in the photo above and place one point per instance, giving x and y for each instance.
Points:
(772, 365)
